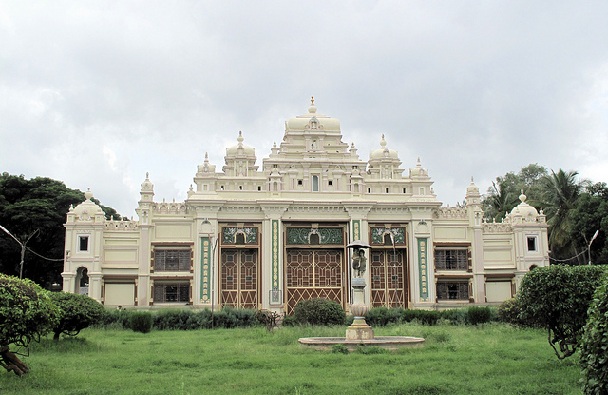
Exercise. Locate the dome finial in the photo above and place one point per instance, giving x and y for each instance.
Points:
(240, 139)
(383, 141)
(312, 109)
(522, 197)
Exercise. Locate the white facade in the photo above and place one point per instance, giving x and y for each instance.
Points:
(268, 238)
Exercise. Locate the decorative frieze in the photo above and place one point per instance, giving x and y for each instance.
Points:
(303, 236)
(497, 227)
(450, 213)
(121, 225)
(170, 208)
(316, 209)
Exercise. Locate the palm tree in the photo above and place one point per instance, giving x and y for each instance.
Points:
(499, 200)
(560, 193)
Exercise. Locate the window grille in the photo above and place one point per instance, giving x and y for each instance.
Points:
(453, 290)
(172, 293)
(456, 259)
(171, 260)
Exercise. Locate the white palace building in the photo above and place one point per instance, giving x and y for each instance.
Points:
(268, 238)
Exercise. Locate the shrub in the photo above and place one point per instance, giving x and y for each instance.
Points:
(478, 315)
(141, 321)
(424, 317)
(455, 316)
(118, 318)
(594, 343)
(382, 316)
(289, 320)
(77, 313)
(26, 313)
(319, 312)
(557, 298)
(174, 319)
(509, 311)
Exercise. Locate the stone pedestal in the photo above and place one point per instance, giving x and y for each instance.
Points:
(359, 330)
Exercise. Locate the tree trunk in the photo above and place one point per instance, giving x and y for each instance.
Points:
(10, 361)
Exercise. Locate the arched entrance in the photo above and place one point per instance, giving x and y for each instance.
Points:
(82, 281)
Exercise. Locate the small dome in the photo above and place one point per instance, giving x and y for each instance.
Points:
(88, 208)
(383, 152)
(524, 209)
(240, 149)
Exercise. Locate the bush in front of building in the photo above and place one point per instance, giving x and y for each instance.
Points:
(381, 316)
(77, 312)
(424, 317)
(181, 319)
(557, 298)
(141, 321)
(115, 318)
(477, 315)
(594, 343)
(26, 313)
(319, 311)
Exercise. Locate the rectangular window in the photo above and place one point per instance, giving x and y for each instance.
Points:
(300, 182)
(315, 183)
(451, 259)
(330, 183)
(172, 293)
(83, 243)
(177, 260)
(531, 243)
(453, 290)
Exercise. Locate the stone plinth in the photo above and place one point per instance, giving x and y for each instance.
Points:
(359, 332)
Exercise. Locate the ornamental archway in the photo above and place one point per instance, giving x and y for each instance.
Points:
(315, 266)
(239, 269)
(388, 266)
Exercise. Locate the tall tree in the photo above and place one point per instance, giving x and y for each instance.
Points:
(503, 195)
(561, 191)
(590, 215)
(39, 206)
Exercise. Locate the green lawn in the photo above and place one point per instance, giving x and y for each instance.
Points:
(494, 359)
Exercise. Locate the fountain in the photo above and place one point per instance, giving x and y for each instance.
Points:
(359, 333)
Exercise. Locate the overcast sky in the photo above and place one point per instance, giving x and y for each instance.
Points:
(98, 93)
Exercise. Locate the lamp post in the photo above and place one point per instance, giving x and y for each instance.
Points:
(23, 246)
(589, 247)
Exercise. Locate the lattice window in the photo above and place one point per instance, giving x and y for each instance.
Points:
(239, 278)
(313, 274)
(172, 260)
(171, 292)
(388, 278)
(453, 290)
(451, 259)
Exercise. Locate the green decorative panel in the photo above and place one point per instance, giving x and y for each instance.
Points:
(206, 257)
(229, 234)
(301, 236)
(275, 295)
(423, 269)
(377, 235)
(356, 229)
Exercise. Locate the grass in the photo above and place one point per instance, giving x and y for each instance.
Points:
(493, 359)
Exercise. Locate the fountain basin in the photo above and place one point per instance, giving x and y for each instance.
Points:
(388, 342)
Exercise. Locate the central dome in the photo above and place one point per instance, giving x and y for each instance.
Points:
(312, 121)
